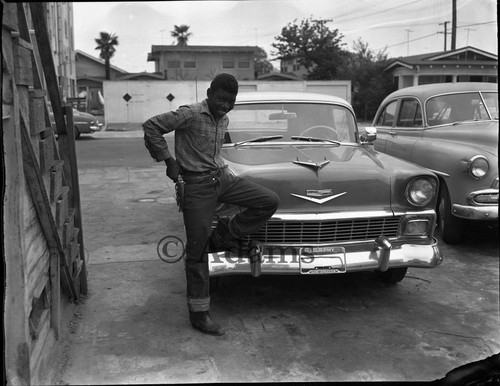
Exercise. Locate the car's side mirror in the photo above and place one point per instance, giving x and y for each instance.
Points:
(369, 135)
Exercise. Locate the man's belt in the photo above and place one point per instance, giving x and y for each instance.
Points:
(187, 173)
(179, 185)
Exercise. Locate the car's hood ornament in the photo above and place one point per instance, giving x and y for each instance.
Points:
(312, 164)
(319, 196)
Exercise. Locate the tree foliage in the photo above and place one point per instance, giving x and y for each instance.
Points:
(182, 34)
(106, 44)
(314, 45)
(370, 83)
(262, 65)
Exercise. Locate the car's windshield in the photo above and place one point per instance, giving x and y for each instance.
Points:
(287, 120)
(461, 107)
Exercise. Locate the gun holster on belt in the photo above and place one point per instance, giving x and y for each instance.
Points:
(179, 192)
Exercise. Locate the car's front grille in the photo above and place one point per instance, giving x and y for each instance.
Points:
(331, 231)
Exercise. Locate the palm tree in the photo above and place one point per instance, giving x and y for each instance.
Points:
(181, 33)
(106, 43)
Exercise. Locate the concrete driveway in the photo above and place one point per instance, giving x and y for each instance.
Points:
(133, 327)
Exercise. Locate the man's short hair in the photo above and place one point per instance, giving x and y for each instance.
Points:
(224, 81)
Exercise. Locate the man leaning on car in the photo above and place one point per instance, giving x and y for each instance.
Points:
(199, 135)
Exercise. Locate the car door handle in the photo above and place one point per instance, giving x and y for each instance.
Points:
(393, 133)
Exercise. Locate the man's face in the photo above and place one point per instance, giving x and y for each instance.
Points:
(220, 102)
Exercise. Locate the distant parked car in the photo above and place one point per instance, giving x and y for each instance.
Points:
(343, 206)
(451, 129)
(84, 123)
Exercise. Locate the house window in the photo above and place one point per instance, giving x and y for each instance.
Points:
(243, 64)
(190, 64)
(173, 64)
(228, 63)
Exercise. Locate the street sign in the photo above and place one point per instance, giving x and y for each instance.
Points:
(127, 97)
(170, 97)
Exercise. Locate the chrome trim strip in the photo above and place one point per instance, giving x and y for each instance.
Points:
(345, 215)
(439, 173)
(318, 200)
(328, 216)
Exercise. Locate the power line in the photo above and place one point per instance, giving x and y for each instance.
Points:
(409, 41)
(373, 13)
(435, 33)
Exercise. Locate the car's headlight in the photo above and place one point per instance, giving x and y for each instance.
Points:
(478, 166)
(421, 191)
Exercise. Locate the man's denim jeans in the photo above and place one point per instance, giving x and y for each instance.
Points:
(202, 194)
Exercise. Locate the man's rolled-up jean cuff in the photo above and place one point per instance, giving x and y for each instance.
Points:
(198, 305)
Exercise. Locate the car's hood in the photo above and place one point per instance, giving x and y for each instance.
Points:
(78, 115)
(356, 177)
(483, 134)
(81, 114)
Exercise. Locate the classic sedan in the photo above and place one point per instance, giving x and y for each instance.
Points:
(451, 129)
(344, 207)
(84, 123)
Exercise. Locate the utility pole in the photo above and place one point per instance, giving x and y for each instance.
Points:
(408, 41)
(468, 30)
(453, 24)
(445, 32)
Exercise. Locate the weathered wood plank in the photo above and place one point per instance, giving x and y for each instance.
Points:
(42, 204)
(37, 111)
(68, 153)
(56, 180)
(41, 333)
(55, 292)
(46, 154)
(70, 253)
(62, 208)
(43, 40)
(9, 17)
(23, 70)
(16, 355)
(69, 228)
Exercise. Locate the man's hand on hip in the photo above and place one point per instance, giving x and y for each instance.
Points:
(173, 169)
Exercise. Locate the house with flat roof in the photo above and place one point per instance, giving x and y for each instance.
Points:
(467, 64)
(178, 62)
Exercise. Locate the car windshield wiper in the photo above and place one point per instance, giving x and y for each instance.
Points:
(259, 139)
(313, 139)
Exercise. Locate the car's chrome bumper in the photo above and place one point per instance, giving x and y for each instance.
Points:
(380, 255)
(484, 204)
(94, 128)
(475, 212)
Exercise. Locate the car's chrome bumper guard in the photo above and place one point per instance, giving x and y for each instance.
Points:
(381, 256)
(489, 212)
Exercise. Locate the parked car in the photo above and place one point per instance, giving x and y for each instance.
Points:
(84, 123)
(344, 207)
(451, 129)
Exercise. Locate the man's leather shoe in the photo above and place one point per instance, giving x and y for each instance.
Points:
(204, 323)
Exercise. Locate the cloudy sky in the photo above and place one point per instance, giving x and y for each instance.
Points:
(401, 26)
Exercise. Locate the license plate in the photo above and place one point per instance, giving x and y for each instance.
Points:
(322, 260)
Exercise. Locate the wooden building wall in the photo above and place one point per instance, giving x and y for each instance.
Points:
(43, 242)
